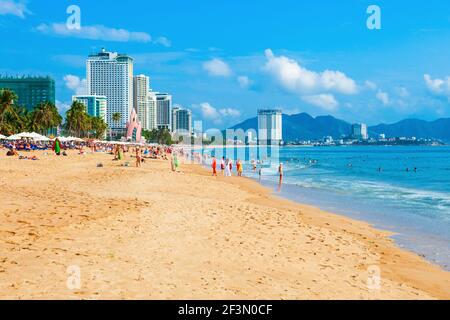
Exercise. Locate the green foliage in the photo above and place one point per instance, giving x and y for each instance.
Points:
(45, 116)
(161, 136)
(98, 127)
(80, 124)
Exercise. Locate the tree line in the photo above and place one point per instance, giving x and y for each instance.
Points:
(45, 116)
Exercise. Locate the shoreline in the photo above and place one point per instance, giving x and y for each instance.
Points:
(389, 250)
(186, 236)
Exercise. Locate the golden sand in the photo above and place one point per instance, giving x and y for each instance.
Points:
(149, 233)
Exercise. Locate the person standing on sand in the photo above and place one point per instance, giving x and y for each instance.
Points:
(239, 168)
(227, 169)
(281, 172)
(214, 166)
(138, 157)
(222, 166)
(57, 147)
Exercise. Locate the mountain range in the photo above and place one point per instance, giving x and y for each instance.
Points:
(302, 126)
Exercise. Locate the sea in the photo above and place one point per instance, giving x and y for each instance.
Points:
(402, 189)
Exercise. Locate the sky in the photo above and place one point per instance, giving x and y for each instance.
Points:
(224, 59)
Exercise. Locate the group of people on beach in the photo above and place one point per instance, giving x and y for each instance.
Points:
(226, 166)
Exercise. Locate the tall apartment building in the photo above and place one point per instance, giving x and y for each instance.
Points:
(30, 91)
(360, 131)
(181, 120)
(163, 111)
(270, 127)
(152, 111)
(111, 74)
(96, 106)
(141, 88)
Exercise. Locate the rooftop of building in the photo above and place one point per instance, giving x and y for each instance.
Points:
(25, 78)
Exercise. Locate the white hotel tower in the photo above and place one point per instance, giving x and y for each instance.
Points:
(270, 127)
(110, 74)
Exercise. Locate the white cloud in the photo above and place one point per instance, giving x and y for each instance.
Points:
(217, 68)
(244, 82)
(325, 101)
(383, 97)
(295, 78)
(163, 41)
(402, 92)
(62, 107)
(216, 115)
(74, 83)
(439, 87)
(371, 85)
(10, 7)
(97, 32)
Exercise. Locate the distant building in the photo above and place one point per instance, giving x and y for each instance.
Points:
(270, 126)
(163, 111)
(141, 88)
(111, 74)
(96, 106)
(359, 131)
(31, 91)
(181, 120)
(152, 111)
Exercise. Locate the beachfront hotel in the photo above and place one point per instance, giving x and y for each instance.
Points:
(163, 111)
(31, 91)
(111, 74)
(152, 114)
(181, 120)
(96, 106)
(270, 127)
(141, 88)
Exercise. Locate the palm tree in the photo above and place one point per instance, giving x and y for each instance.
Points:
(99, 126)
(45, 116)
(77, 120)
(116, 117)
(8, 111)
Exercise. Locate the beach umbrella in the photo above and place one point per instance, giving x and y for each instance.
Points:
(14, 137)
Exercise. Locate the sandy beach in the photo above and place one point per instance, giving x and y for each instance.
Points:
(150, 233)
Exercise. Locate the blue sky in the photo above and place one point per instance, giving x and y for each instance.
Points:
(224, 59)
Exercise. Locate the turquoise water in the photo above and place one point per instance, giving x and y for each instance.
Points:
(401, 189)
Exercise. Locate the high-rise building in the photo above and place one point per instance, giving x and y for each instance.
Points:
(181, 120)
(152, 108)
(141, 87)
(30, 91)
(359, 131)
(111, 74)
(163, 111)
(270, 127)
(96, 106)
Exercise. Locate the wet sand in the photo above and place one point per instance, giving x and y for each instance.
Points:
(150, 233)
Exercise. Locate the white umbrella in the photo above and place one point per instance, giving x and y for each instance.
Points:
(14, 137)
(2, 137)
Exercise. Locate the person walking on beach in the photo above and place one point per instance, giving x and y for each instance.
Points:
(227, 169)
(57, 147)
(222, 166)
(214, 166)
